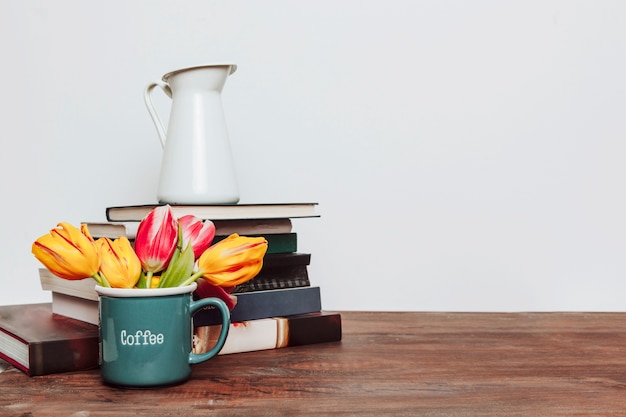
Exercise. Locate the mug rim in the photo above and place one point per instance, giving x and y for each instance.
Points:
(145, 292)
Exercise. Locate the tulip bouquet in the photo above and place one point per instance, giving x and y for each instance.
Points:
(167, 252)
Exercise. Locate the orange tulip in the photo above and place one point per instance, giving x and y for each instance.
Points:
(68, 253)
(233, 261)
(120, 265)
(85, 230)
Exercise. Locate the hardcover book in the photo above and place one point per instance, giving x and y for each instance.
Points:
(217, 212)
(276, 243)
(266, 304)
(112, 230)
(76, 307)
(284, 270)
(271, 333)
(244, 227)
(83, 288)
(252, 227)
(39, 342)
(276, 278)
(277, 260)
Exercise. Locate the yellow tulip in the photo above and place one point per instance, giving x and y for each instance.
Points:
(67, 253)
(233, 261)
(120, 265)
(85, 230)
(155, 282)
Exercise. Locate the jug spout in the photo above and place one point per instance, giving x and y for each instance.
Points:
(197, 166)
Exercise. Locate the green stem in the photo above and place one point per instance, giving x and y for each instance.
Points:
(97, 278)
(192, 278)
(149, 279)
(101, 280)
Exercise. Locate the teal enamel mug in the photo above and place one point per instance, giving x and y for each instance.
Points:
(146, 335)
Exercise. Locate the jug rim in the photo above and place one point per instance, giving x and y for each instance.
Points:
(233, 68)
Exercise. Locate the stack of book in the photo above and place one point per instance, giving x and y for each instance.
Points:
(278, 308)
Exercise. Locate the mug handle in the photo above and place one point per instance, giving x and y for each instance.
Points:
(147, 98)
(195, 306)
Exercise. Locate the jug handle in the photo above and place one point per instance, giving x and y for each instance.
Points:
(153, 114)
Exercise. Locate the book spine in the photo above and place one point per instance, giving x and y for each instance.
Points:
(276, 278)
(75, 307)
(272, 333)
(276, 243)
(266, 304)
(248, 227)
(217, 212)
(83, 288)
(66, 354)
(313, 328)
(253, 227)
(63, 356)
(274, 260)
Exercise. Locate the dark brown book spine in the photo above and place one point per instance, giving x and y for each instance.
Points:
(307, 329)
(63, 356)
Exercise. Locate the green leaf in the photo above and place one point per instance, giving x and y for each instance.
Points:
(142, 280)
(179, 269)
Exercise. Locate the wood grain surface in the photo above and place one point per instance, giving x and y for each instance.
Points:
(388, 364)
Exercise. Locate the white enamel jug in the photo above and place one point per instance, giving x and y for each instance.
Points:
(197, 165)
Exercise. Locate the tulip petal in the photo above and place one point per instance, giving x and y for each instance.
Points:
(199, 233)
(120, 265)
(207, 290)
(233, 261)
(67, 253)
(156, 239)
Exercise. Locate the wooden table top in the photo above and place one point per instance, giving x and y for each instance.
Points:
(429, 364)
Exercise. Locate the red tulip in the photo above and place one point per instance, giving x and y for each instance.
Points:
(197, 232)
(156, 240)
(206, 290)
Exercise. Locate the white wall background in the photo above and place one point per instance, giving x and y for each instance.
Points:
(466, 155)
